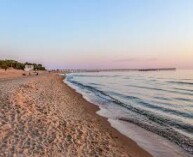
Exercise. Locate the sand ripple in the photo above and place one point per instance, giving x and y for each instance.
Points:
(39, 116)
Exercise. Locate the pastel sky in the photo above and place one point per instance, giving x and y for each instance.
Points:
(98, 33)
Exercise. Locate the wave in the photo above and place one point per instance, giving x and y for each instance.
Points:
(160, 89)
(181, 82)
(164, 125)
(184, 99)
(189, 90)
(100, 76)
(139, 101)
(161, 98)
(159, 108)
(95, 84)
(156, 118)
(122, 95)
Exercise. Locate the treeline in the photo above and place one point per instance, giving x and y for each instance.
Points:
(5, 64)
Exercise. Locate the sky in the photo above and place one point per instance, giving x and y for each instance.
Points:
(92, 34)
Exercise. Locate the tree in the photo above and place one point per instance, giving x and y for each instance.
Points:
(38, 67)
(4, 66)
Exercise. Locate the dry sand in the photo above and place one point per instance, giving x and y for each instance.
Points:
(12, 74)
(42, 116)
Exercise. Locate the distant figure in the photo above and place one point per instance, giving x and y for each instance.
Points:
(29, 73)
(37, 73)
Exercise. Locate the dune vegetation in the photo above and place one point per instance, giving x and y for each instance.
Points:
(6, 64)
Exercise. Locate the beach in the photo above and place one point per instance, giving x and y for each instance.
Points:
(42, 116)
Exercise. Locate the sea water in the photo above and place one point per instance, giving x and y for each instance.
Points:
(160, 102)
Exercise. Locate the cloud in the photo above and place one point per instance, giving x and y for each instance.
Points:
(134, 59)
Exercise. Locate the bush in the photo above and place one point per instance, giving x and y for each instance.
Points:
(38, 67)
(4, 66)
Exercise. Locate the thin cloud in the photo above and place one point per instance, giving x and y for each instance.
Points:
(134, 59)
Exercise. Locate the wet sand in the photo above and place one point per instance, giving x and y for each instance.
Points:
(42, 116)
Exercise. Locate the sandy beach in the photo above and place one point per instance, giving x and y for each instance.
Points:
(13, 74)
(10, 74)
(42, 116)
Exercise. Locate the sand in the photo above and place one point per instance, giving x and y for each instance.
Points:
(12, 74)
(42, 116)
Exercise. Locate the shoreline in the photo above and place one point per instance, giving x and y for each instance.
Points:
(133, 132)
(42, 116)
(135, 149)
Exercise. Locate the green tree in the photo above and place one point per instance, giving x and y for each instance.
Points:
(4, 66)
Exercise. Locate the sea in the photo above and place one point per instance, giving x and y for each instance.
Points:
(154, 108)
